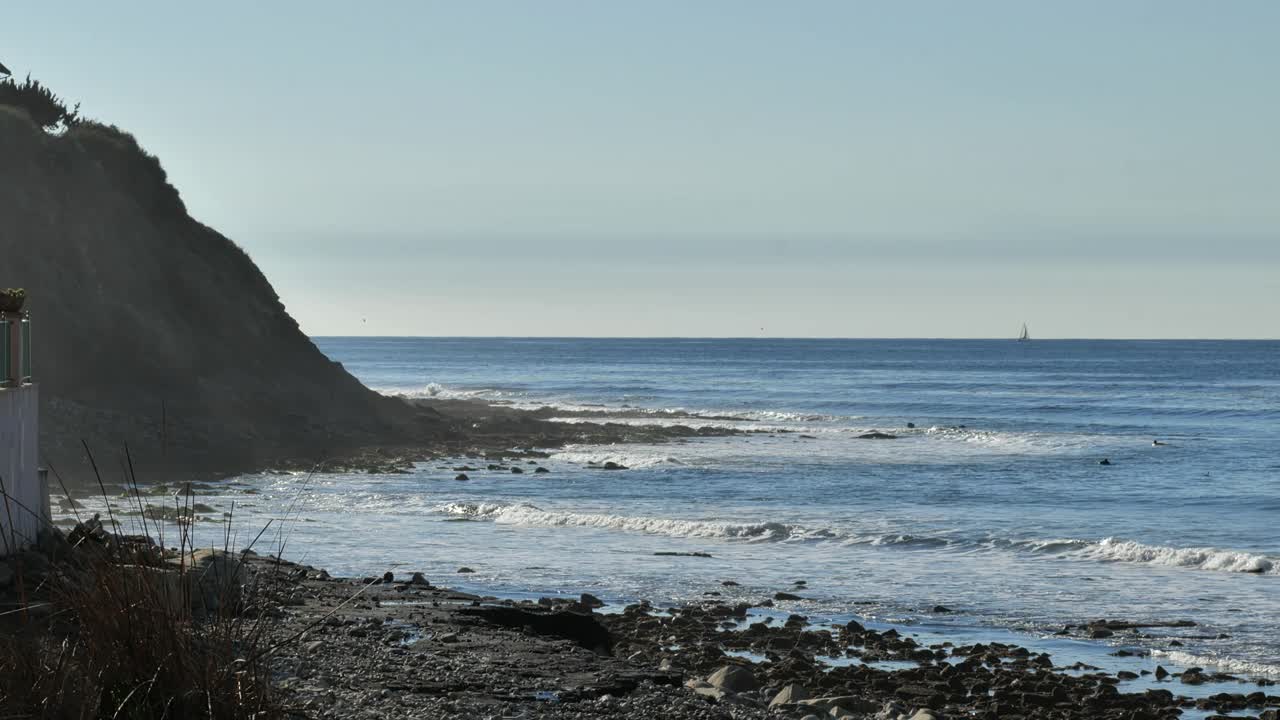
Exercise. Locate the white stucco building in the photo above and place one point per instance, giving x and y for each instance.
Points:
(24, 502)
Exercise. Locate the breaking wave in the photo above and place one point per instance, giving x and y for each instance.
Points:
(524, 514)
(1105, 550)
(438, 391)
(1202, 558)
(1227, 664)
(601, 455)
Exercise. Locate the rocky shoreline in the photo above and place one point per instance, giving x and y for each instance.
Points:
(402, 647)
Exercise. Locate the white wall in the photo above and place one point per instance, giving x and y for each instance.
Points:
(25, 500)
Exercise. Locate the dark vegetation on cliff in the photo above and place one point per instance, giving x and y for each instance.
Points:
(151, 329)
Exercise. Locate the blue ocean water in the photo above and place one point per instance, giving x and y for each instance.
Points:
(994, 504)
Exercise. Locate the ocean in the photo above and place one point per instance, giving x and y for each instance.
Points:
(990, 513)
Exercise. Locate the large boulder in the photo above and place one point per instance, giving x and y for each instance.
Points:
(215, 580)
(733, 679)
(792, 693)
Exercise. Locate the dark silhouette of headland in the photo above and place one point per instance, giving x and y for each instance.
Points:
(158, 334)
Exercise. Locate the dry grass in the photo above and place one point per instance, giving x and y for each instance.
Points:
(109, 631)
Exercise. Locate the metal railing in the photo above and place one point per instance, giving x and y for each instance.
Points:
(26, 348)
(15, 369)
(6, 354)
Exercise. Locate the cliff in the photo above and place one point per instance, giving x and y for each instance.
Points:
(154, 330)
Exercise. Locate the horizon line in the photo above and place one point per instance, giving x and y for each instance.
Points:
(787, 337)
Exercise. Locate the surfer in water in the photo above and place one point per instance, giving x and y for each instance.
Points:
(1156, 442)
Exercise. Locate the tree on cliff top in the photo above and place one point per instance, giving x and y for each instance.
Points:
(45, 108)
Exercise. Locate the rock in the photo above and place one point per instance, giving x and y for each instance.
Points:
(1126, 675)
(786, 596)
(1099, 633)
(705, 689)
(924, 715)
(877, 435)
(1104, 461)
(789, 694)
(590, 601)
(6, 574)
(388, 577)
(670, 553)
(584, 629)
(911, 425)
(611, 465)
(539, 470)
(1161, 673)
(465, 570)
(847, 703)
(215, 580)
(733, 679)
(517, 471)
(449, 638)
(419, 579)
(461, 476)
(941, 609)
(729, 583)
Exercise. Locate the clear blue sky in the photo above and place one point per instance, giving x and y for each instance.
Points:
(1095, 169)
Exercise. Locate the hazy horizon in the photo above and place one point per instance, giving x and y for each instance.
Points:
(765, 338)
(1095, 170)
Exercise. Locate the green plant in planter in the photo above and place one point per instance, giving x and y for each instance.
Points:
(11, 299)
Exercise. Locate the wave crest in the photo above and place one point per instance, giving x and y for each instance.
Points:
(524, 514)
(1203, 558)
(1231, 665)
(1105, 550)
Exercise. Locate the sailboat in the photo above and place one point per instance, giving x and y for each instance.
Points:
(1025, 336)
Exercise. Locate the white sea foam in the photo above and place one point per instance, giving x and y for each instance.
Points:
(531, 515)
(442, 392)
(521, 400)
(1202, 558)
(1106, 550)
(1230, 665)
(1019, 442)
(632, 457)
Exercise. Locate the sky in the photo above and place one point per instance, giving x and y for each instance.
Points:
(714, 168)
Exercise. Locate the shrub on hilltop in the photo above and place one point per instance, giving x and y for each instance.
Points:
(45, 108)
(117, 151)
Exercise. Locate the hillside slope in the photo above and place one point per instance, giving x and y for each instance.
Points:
(154, 330)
